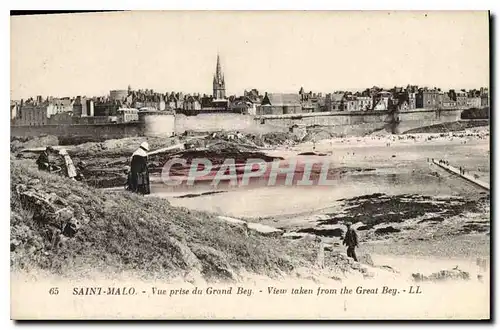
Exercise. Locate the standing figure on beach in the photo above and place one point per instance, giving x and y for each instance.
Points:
(351, 241)
(138, 177)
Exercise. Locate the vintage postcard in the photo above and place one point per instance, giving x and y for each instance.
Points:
(319, 165)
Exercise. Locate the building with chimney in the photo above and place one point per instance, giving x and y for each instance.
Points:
(38, 112)
(335, 101)
(461, 98)
(192, 103)
(485, 96)
(280, 104)
(429, 98)
(83, 107)
(382, 101)
(174, 101)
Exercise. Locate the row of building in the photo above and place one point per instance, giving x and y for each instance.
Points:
(126, 105)
(123, 105)
(373, 99)
(115, 108)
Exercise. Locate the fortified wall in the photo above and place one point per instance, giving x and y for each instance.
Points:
(149, 124)
(359, 123)
(157, 123)
(83, 133)
(418, 118)
(207, 122)
(164, 124)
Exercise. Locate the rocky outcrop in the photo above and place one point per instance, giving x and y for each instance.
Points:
(443, 275)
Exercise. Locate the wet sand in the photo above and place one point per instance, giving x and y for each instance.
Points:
(401, 168)
(406, 173)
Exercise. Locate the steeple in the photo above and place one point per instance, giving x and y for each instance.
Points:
(219, 86)
(218, 71)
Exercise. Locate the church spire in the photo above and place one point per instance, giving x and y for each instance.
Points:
(218, 70)
(219, 86)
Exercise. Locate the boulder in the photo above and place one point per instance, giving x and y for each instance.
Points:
(386, 230)
(366, 259)
(214, 264)
(257, 227)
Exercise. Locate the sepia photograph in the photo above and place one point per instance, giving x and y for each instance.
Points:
(250, 165)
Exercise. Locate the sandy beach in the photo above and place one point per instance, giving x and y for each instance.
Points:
(392, 166)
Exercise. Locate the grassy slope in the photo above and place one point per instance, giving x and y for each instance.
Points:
(126, 232)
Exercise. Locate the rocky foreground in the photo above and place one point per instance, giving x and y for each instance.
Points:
(67, 228)
(71, 228)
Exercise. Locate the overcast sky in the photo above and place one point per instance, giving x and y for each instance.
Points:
(90, 54)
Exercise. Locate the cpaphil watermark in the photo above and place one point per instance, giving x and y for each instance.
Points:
(292, 172)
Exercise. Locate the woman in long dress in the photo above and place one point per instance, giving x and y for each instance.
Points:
(138, 180)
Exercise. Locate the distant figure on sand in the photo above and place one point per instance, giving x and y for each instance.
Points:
(138, 178)
(351, 241)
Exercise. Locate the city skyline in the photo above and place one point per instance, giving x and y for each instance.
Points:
(90, 54)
